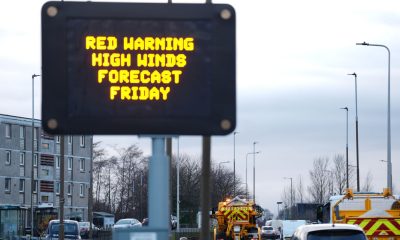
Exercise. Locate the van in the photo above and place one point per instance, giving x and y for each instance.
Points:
(71, 230)
(289, 226)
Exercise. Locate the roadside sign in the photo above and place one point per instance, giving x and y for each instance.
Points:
(138, 68)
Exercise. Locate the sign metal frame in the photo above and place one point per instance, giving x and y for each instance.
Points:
(55, 117)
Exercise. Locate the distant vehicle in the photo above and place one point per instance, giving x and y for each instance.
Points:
(268, 232)
(127, 223)
(289, 226)
(84, 228)
(329, 232)
(378, 214)
(71, 230)
(276, 224)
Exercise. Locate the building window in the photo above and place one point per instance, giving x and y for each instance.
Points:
(69, 139)
(81, 190)
(35, 186)
(58, 139)
(82, 141)
(70, 163)
(35, 160)
(7, 185)
(22, 185)
(22, 159)
(45, 145)
(45, 172)
(57, 188)
(45, 199)
(82, 164)
(69, 189)
(8, 130)
(58, 163)
(8, 157)
(21, 132)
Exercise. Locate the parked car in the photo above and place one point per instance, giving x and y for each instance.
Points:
(329, 232)
(127, 223)
(174, 222)
(84, 228)
(268, 232)
(71, 230)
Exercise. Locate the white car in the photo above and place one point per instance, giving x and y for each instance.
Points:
(268, 232)
(329, 232)
(127, 223)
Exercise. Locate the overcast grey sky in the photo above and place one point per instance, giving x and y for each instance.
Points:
(293, 58)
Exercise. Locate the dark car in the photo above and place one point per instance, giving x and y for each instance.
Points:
(71, 230)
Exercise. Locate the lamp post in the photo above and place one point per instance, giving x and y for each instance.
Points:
(33, 149)
(357, 155)
(389, 150)
(247, 194)
(177, 188)
(278, 203)
(234, 163)
(254, 172)
(291, 194)
(347, 146)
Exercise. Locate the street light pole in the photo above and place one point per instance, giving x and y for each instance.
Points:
(389, 150)
(33, 150)
(177, 188)
(357, 151)
(234, 163)
(254, 171)
(247, 194)
(291, 195)
(347, 146)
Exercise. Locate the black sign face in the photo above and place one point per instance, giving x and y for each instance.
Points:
(135, 68)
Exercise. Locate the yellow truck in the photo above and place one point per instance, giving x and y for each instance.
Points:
(378, 214)
(236, 220)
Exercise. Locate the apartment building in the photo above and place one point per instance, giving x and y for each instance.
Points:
(16, 169)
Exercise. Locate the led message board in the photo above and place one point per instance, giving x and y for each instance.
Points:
(138, 68)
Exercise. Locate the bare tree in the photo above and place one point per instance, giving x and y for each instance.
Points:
(339, 173)
(300, 196)
(99, 163)
(319, 177)
(367, 187)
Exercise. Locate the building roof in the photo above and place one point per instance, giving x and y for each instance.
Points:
(103, 214)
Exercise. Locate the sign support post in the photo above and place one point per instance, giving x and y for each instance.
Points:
(159, 188)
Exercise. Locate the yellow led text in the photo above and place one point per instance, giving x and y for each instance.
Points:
(156, 43)
(139, 76)
(161, 60)
(113, 59)
(139, 68)
(139, 93)
(101, 43)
